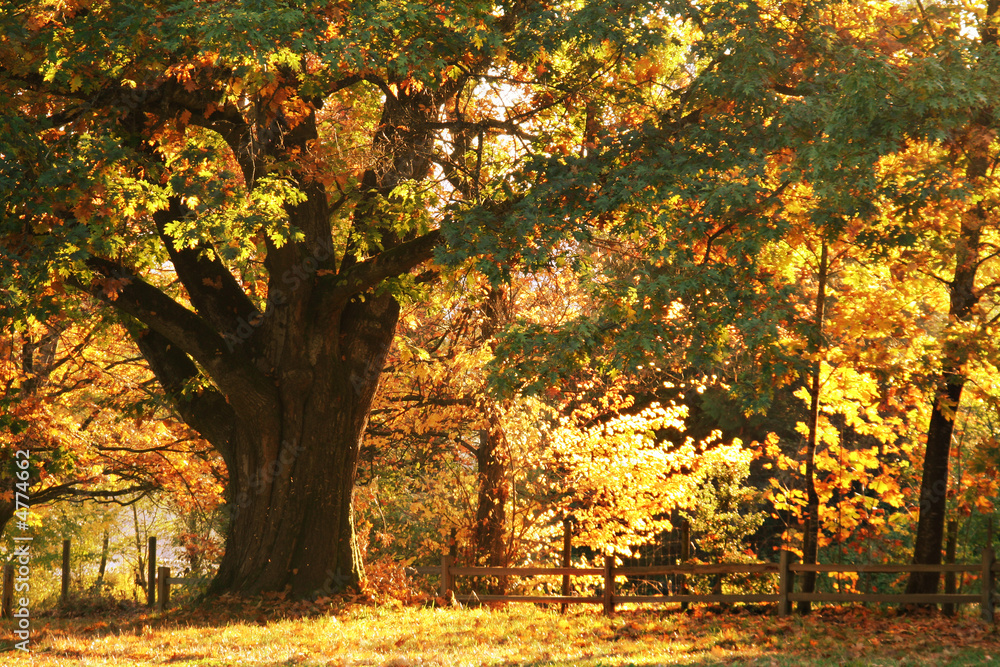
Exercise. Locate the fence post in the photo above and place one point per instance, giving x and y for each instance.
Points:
(986, 601)
(163, 588)
(151, 572)
(65, 572)
(784, 584)
(567, 559)
(681, 579)
(447, 583)
(950, 608)
(8, 590)
(609, 585)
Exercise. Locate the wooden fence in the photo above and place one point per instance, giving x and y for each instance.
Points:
(783, 599)
(158, 581)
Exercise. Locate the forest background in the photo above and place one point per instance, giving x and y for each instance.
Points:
(326, 284)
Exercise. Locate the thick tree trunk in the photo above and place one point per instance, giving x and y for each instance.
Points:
(292, 474)
(283, 389)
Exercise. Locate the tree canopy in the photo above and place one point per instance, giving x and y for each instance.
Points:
(717, 194)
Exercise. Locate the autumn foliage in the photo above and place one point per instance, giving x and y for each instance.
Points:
(348, 286)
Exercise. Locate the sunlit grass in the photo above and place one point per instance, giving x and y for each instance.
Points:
(517, 635)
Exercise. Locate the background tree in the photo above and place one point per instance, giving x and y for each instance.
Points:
(83, 410)
(965, 292)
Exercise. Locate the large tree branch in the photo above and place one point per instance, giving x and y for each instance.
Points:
(488, 125)
(206, 410)
(396, 261)
(71, 489)
(214, 292)
(246, 387)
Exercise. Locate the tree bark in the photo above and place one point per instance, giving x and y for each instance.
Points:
(140, 573)
(493, 495)
(810, 536)
(955, 355)
(292, 477)
(490, 543)
(105, 544)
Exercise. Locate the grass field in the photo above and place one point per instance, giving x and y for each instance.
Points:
(249, 633)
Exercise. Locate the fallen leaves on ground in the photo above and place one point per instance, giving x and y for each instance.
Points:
(273, 630)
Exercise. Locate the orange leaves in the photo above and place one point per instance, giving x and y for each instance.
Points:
(74, 428)
(112, 286)
(183, 73)
(646, 69)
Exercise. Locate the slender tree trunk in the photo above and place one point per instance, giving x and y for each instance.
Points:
(194, 552)
(489, 538)
(105, 544)
(963, 299)
(810, 536)
(140, 577)
(491, 512)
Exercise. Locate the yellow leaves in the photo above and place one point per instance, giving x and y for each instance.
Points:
(625, 480)
(772, 447)
(864, 458)
(784, 499)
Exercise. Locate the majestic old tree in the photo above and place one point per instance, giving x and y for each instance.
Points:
(254, 188)
(250, 185)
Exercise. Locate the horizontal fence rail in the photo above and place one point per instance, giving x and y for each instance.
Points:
(160, 581)
(784, 569)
